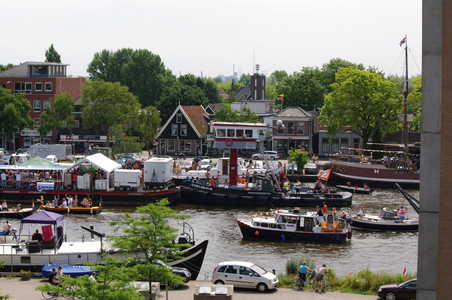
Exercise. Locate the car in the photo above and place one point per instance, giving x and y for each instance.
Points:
(406, 290)
(205, 164)
(23, 149)
(244, 275)
(128, 158)
(311, 169)
(197, 159)
(267, 154)
(187, 165)
(180, 155)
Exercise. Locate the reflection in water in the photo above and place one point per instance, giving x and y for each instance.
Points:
(384, 251)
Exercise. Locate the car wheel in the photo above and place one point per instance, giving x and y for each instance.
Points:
(262, 287)
(121, 188)
(390, 296)
(255, 157)
(219, 282)
(272, 158)
(128, 188)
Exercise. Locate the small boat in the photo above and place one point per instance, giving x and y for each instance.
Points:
(388, 220)
(73, 210)
(294, 226)
(14, 214)
(354, 189)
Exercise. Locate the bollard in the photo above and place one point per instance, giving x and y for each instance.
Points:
(92, 235)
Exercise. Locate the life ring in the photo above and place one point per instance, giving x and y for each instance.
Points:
(395, 172)
(228, 142)
(338, 227)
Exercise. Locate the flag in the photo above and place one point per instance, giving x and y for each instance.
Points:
(281, 97)
(403, 41)
(404, 272)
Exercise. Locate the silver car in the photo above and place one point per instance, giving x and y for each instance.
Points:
(245, 275)
(268, 154)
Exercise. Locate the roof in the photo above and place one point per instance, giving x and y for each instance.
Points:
(194, 114)
(294, 111)
(243, 91)
(39, 161)
(43, 217)
(100, 161)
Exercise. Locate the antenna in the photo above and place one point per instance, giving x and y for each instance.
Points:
(257, 68)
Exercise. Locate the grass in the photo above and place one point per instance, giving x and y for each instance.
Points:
(364, 282)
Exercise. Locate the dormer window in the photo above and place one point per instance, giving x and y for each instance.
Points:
(179, 118)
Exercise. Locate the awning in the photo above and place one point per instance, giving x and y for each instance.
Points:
(83, 141)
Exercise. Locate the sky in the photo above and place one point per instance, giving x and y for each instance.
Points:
(210, 38)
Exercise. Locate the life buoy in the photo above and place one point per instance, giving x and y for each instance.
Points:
(228, 142)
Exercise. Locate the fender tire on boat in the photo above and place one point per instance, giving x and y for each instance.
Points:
(254, 200)
(302, 201)
(226, 198)
(239, 199)
(209, 196)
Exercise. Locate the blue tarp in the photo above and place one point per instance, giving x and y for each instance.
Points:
(73, 271)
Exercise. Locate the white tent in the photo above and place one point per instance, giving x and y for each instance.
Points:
(99, 160)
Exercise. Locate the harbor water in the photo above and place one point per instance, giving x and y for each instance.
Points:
(389, 252)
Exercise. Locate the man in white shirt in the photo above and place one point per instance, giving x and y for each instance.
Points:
(92, 277)
(3, 177)
(17, 180)
(64, 204)
(69, 201)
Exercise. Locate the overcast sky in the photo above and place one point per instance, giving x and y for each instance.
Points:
(212, 37)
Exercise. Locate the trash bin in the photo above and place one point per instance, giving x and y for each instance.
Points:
(213, 292)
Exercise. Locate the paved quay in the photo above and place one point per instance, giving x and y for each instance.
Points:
(20, 289)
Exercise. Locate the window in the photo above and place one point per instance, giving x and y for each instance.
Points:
(183, 129)
(76, 123)
(239, 132)
(46, 103)
(171, 145)
(48, 86)
(221, 132)
(22, 87)
(325, 146)
(231, 270)
(344, 143)
(290, 128)
(38, 86)
(37, 122)
(179, 118)
(187, 146)
(231, 132)
(245, 271)
(174, 130)
(248, 133)
(162, 146)
(37, 106)
(335, 146)
(300, 128)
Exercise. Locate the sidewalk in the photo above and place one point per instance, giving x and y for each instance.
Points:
(19, 290)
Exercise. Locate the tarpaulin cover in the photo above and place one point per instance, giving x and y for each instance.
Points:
(43, 217)
(73, 271)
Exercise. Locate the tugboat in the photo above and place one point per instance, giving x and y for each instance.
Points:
(295, 226)
(263, 189)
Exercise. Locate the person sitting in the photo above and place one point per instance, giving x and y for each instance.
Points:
(18, 208)
(344, 215)
(53, 279)
(48, 204)
(64, 204)
(226, 184)
(92, 277)
(349, 184)
(7, 227)
(4, 206)
(60, 271)
(366, 187)
(37, 236)
(360, 214)
(258, 186)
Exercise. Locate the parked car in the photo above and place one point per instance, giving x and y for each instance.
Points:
(267, 154)
(180, 155)
(187, 165)
(311, 169)
(406, 290)
(245, 275)
(23, 149)
(128, 158)
(205, 164)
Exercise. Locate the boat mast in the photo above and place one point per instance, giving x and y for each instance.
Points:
(405, 96)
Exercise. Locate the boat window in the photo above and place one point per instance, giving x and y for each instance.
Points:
(248, 133)
(221, 269)
(221, 132)
(239, 132)
(292, 220)
(282, 219)
(272, 225)
(281, 226)
(231, 270)
(264, 225)
(257, 223)
(230, 132)
(307, 222)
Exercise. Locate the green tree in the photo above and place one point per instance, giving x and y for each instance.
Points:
(107, 104)
(124, 141)
(415, 99)
(52, 55)
(245, 79)
(6, 67)
(14, 113)
(56, 115)
(228, 114)
(277, 77)
(364, 101)
(146, 124)
(299, 157)
(112, 283)
(140, 70)
(270, 91)
(150, 238)
(218, 79)
(330, 69)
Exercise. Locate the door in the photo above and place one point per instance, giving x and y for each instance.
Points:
(246, 277)
(231, 276)
(225, 166)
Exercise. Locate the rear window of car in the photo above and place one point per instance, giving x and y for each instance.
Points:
(221, 269)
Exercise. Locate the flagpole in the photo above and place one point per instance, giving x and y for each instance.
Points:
(405, 96)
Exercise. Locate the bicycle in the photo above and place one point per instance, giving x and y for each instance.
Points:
(325, 284)
(299, 284)
(54, 295)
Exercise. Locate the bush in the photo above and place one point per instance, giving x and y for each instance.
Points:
(293, 264)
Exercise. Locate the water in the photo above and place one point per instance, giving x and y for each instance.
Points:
(387, 251)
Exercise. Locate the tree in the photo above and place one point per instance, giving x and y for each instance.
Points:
(52, 55)
(415, 99)
(14, 113)
(277, 77)
(299, 157)
(123, 140)
(112, 283)
(245, 79)
(364, 101)
(228, 114)
(270, 91)
(6, 67)
(150, 238)
(108, 104)
(140, 70)
(147, 123)
(56, 115)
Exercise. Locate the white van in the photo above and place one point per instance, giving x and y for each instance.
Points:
(61, 151)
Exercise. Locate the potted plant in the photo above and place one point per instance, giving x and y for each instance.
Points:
(25, 275)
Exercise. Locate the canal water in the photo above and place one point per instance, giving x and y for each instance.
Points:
(377, 251)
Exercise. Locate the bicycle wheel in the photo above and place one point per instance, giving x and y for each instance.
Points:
(326, 284)
(48, 295)
(69, 287)
(298, 283)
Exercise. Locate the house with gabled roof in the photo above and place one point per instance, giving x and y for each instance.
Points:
(185, 131)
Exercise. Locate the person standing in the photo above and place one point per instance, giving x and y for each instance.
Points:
(17, 180)
(319, 277)
(325, 209)
(319, 215)
(298, 186)
(3, 177)
(92, 277)
(402, 213)
(302, 270)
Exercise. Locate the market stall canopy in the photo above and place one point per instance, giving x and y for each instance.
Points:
(37, 163)
(43, 217)
(99, 160)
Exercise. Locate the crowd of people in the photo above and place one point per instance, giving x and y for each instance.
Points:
(68, 201)
(10, 178)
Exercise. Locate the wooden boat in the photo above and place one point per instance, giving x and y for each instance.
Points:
(352, 189)
(74, 210)
(14, 214)
(388, 220)
(26, 254)
(294, 226)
